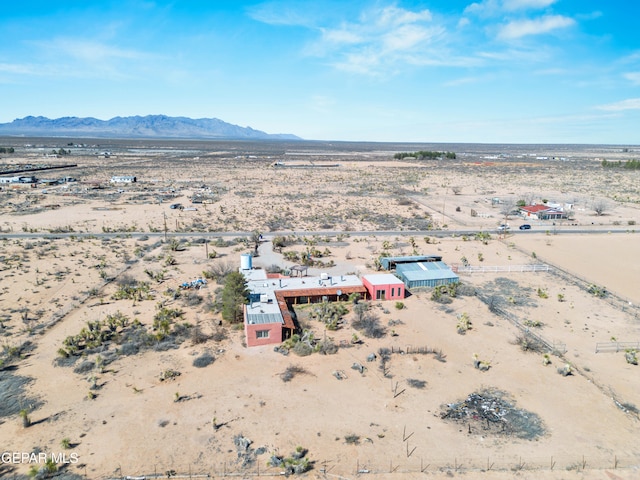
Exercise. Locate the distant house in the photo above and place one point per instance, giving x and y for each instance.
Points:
(19, 179)
(123, 179)
(542, 212)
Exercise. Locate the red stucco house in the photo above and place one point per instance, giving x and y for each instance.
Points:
(384, 286)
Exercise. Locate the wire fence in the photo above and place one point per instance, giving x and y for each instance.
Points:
(617, 301)
(500, 268)
(557, 348)
(413, 464)
(616, 346)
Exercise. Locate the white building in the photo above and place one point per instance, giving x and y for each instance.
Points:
(123, 179)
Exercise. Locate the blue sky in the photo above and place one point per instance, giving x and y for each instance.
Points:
(491, 71)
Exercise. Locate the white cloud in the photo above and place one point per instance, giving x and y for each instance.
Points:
(341, 37)
(633, 77)
(461, 81)
(628, 104)
(527, 4)
(522, 28)
(280, 13)
(91, 51)
(393, 16)
(495, 7)
(405, 37)
(380, 40)
(18, 69)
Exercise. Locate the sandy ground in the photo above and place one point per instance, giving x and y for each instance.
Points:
(134, 425)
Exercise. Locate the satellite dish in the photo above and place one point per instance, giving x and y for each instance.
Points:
(339, 292)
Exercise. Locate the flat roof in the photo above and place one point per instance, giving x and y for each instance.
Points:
(425, 271)
(269, 309)
(383, 279)
(255, 315)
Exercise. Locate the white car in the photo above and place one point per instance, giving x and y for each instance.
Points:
(503, 228)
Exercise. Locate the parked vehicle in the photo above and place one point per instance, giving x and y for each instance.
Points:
(176, 206)
(503, 228)
(526, 226)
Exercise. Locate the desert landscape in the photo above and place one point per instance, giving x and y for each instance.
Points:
(114, 371)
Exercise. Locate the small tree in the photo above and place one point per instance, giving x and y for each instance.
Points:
(234, 295)
(600, 207)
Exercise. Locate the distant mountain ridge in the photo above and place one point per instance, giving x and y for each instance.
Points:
(149, 126)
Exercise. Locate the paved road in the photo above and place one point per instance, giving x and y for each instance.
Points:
(394, 233)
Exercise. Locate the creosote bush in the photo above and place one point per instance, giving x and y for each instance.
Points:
(367, 322)
(203, 360)
(291, 371)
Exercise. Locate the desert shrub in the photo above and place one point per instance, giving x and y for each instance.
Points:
(197, 336)
(291, 371)
(203, 360)
(464, 323)
(400, 305)
(126, 281)
(369, 325)
(440, 356)
(129, 348)
(85, 367)
(296, 464)
(218, 271)
(415, 383)
(191, 299)
(219, 335)
(165, 346)
(533, 323)
(133, 291)
(445, 293)
(327, 347)
(529, 343)
(566, 370)
(302, 349)
(631, 356)
(352, 439)
(597, 291)
(329, 313)
(273, 268)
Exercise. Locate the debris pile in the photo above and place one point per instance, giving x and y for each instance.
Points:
(492, 412)
(196, 284)
(246, 454)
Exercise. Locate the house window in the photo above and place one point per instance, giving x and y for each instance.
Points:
(262, 334)
(380, 294)
(393, 292)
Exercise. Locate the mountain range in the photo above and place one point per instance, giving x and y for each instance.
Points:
(149, 126)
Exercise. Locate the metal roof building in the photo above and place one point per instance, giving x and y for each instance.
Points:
(389, 263)
(425, 274)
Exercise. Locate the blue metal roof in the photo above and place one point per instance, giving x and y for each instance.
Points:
(418, 271)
